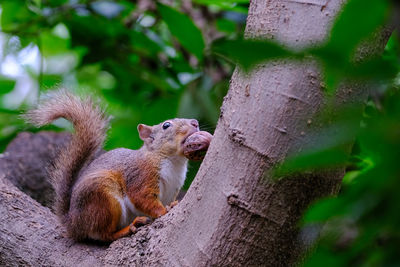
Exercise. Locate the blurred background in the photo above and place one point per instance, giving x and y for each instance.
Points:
(149, 62)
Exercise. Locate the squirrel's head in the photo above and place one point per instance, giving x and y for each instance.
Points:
(168, 137)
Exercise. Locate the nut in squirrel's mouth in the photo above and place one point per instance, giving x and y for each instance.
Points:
(189, 134)
(196, 145)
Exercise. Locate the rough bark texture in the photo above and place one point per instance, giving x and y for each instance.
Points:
(31, 236)
(26, 159)
(232, 215)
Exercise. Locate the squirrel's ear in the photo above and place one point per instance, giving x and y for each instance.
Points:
(144, 131)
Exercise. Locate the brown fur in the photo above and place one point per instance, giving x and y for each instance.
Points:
(143, 188)
(94, 209)
(89, 190)
(90, 125)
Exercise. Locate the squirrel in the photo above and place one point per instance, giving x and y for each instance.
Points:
(107, 197)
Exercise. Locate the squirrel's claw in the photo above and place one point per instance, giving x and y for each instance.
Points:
(132, 228)
(139, 221)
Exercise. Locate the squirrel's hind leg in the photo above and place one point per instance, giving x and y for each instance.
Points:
(137, 222)
(95, 210)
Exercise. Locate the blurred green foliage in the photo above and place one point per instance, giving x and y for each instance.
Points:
(155, 62)
(361, 223)
(359, 226)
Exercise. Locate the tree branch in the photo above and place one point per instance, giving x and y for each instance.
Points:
(31, 235)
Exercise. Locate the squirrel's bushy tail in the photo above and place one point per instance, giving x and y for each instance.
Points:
(90, 123)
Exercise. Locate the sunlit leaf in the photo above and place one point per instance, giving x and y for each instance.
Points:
(350, 176)
(51, 44)
(14, 15)
(37, 3)
(236, 7)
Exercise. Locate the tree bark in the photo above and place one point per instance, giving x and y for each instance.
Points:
(233, 213)
(26, 159)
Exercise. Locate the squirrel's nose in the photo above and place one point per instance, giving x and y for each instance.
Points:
(194, 123)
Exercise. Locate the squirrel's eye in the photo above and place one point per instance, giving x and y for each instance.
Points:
(166, 125)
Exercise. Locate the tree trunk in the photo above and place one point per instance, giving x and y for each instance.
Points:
(233, 214)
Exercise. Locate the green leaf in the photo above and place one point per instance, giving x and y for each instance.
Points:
(144, 44)
(14, 14)
(216, 2)
(196, 102)
(50, 81)
(350, 176)
(324, 258)
(336, 68)
(312, 160)
(56, 3)
(10, 111)
(375, 69)
(6, 85)
(247, 52)
(52, 44)
(358, 20)
(238, 6)
(37, 3)
(226, 25)
(183, 28)
(187, 108)
(355, 24)
(325, 209)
